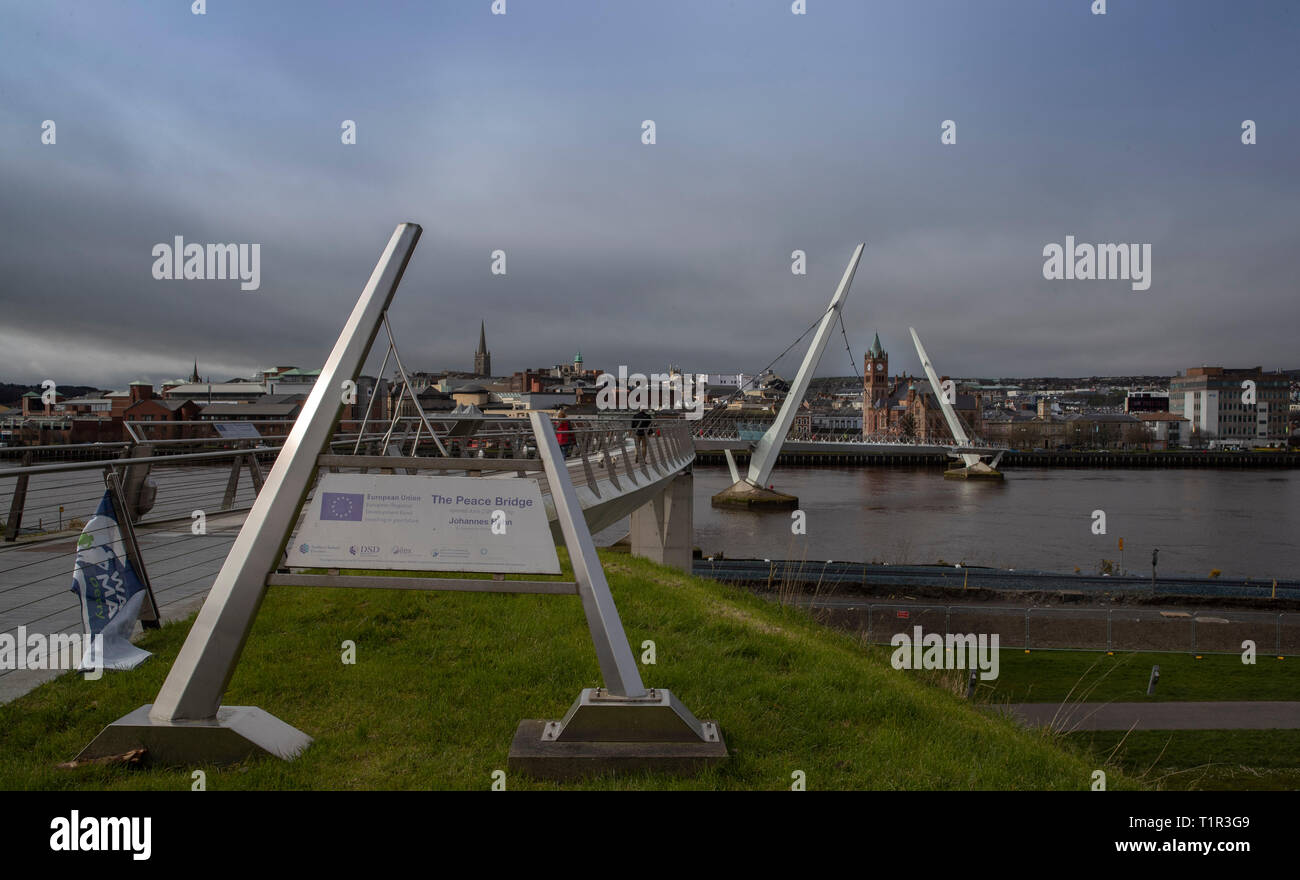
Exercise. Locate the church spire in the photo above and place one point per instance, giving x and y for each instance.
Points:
(482, 357)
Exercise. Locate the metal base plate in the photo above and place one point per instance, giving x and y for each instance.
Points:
(533, 756)
(597, 716)
(236, 734)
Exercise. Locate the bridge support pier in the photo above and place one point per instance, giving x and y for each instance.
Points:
(977, 471)
(748, 496)
(663, 529)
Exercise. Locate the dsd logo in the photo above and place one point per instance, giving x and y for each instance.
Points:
(364, 550)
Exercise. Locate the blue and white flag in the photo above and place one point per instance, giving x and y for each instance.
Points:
(111, 593)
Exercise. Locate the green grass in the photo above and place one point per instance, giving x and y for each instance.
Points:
(1202, 760)
(1048, 676)
(443, 679)
(1228, 760)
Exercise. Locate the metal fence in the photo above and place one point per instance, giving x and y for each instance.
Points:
(1078, 629)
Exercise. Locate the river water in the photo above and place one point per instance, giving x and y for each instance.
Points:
(1243, 522)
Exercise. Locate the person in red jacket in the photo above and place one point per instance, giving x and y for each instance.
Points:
(563, 431)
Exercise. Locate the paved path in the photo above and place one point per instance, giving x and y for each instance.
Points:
(1242, 715)
(36, 584)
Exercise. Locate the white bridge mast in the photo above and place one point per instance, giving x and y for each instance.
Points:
(752, 490)
(974, 467)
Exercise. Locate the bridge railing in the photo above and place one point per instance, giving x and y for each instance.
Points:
(163, 480)
(164, 484)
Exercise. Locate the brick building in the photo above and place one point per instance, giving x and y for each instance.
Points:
(1218, 404)
(905, 406)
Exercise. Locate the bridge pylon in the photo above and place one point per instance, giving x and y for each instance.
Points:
(753, 492)
(973, 466)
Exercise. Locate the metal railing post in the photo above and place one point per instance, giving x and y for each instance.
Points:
(232, 482)
(15, 520)
(133, 484)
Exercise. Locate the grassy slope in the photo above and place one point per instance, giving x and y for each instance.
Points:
(442, 680)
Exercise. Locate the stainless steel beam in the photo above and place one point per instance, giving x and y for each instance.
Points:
(769, 445)
(197, 680)
(949, 413)
(617, 663)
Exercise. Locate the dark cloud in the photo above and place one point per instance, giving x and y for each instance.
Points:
(645, 255)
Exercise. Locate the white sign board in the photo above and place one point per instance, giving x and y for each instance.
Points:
(425, 523)
(236, 430)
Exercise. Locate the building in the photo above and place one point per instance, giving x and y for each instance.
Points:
(482, 357)
(273, 413)
(905, 406)
(218, 392)
(831, 422)
(144, 409)
(472, 394)
(534, 381)
(1218, 404)
(1167, 430)
(1146, 402)
(1099, 430)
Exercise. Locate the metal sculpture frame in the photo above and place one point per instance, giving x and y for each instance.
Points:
(187, 721)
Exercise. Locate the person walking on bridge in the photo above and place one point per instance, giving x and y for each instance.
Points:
(641, 421)
(563, 431)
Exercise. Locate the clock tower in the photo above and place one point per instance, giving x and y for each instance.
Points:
(875, 380)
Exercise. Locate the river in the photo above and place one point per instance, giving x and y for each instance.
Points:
(1244, 523)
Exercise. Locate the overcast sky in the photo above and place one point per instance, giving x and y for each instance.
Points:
(774, 132)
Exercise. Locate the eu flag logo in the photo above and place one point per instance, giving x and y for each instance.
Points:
(342, 506)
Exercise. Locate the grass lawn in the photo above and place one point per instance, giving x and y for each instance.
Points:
(1202, 760)
(1049, 676)
(1266, 760)
(442, 680)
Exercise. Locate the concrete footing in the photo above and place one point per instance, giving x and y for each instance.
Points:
(746, 496)
(565, 761)
(978, 471)
(236, 734)
(607, 734)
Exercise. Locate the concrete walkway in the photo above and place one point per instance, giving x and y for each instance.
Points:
(36, 581)
(1241, 715)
